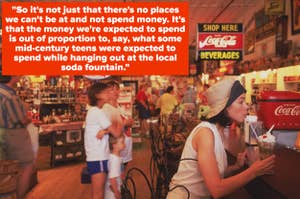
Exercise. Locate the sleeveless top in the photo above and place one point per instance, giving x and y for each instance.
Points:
(188, 173)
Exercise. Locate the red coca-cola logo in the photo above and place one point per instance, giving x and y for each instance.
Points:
(287, 109)
(218, 41)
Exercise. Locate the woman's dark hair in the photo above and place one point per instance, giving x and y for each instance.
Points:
(222, 119)
(170, 89)
(95, 89)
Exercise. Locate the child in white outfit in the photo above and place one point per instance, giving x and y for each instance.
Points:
(113, 183)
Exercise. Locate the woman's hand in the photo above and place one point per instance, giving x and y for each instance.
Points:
(263, 167)
(129, 122)
(101, 133)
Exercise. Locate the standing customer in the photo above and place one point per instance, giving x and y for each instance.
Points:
(143, 109)
(167, 101)
(204, 176)
(96, 140)
(118, 117)
(114, 182)
(16, 140)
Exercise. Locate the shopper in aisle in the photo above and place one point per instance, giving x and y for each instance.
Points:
(16, 143)
(118, 117)
(114, 181)
(167, 101)
(153, 101)
(204, 171)
(96, 146)
(143, 109)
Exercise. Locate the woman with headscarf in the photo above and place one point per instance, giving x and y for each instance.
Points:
(203, 162)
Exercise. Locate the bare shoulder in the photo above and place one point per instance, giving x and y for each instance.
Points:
(203, 132)
(203, 137)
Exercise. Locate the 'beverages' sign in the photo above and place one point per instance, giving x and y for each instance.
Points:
(220, 41)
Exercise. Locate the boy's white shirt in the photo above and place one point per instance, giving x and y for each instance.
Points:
(96, 149)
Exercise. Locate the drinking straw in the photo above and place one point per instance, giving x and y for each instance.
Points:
(269, 131)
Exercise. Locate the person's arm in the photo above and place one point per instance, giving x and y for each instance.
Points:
(240, 162)
(128, 122)
(115, 129)
(101, 133)
(126, 119)
(111, 125)
(114, 187)
(203, 143)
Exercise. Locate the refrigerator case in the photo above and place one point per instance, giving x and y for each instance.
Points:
(281, 108)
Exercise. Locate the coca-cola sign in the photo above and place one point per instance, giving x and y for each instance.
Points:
(287, 110)
(220, 41)
(213, 41)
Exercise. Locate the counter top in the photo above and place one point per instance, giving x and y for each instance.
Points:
(47, 128)
(285, 182)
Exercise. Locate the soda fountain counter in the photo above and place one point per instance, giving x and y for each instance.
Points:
(286, 179)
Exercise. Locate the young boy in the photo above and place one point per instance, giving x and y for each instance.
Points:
(113, 184)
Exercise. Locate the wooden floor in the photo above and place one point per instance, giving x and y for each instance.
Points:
(63, 182)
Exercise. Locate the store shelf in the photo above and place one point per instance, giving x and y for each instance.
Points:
(266, 83)
(58, 102)
(292, 82)
(67, 145)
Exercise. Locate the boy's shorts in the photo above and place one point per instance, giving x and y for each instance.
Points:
(95, 167)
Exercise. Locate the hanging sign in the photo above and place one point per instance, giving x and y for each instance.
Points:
(274, 7)
(220, 41)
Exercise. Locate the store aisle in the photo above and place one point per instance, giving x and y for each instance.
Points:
(63, 182)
